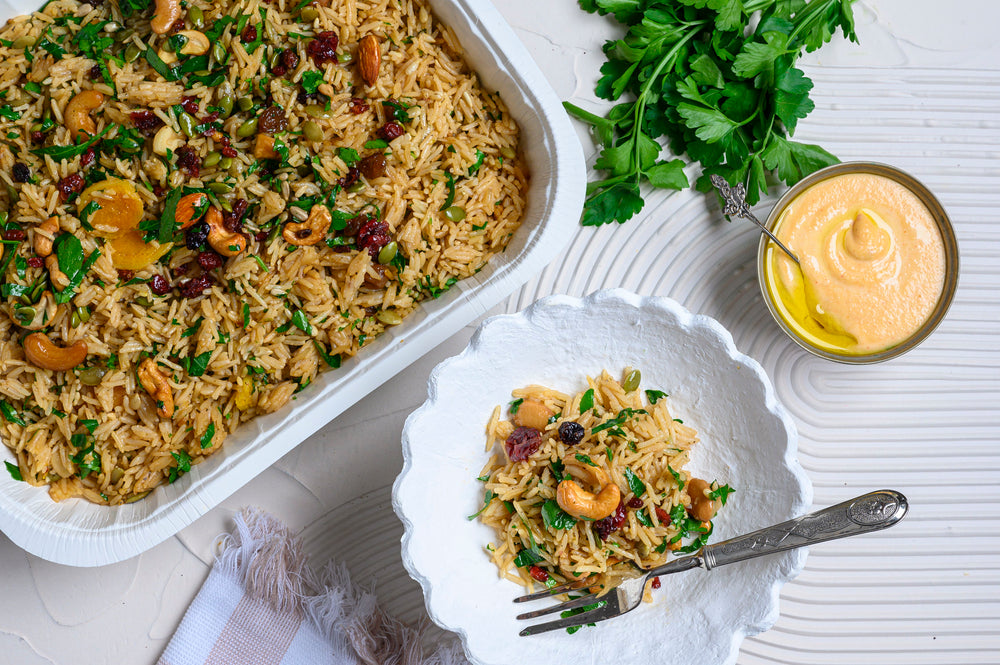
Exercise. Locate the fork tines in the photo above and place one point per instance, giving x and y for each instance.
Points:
(607, 608)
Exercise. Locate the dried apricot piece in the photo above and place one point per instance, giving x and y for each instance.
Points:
(118, 207)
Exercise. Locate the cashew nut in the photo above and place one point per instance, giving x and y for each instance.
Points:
(578, 502)
(222, 240)
(77, 114)
(45, 233)
(41, 352)
(310, 231)
(45, 312)
(533, 413)
(702, 508)
(56, 276)
(157, 386)
(197, 43)
(167, 13)
(592, 475)
(166, 139)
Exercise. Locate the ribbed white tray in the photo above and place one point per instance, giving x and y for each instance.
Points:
(81, 534)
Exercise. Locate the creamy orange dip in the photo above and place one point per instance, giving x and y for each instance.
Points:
(872, 264)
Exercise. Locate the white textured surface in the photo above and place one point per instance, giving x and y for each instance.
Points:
(922, 91)
(79, 533)
(747, 440)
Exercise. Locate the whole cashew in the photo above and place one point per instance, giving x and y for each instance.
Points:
(77, 114)
(41, 352)
(578, 502)
(222, 240)
(57, 276)
(167, 13)
(702, 508)
(310, 231)
(166, 139)
(45, 312)
(45, 233)
(197, 43)
(157, 386)
(592, 475)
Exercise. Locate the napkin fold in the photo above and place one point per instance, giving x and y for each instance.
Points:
(263, 605)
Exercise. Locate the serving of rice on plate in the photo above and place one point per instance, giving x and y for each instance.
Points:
(208, 205)
(592, 486)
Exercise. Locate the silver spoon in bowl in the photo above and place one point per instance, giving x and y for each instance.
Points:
(735, 205)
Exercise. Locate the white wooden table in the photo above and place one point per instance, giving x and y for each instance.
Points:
(922, 91)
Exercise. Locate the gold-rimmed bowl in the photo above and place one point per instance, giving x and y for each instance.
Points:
(767, 250)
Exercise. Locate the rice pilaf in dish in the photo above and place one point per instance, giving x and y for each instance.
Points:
(206, 205)
(589, 486)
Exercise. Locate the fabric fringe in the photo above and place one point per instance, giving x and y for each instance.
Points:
(268, 561)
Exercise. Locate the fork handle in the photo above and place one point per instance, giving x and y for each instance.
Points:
(864, 514)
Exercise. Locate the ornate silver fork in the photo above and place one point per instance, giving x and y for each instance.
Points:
(864, 514)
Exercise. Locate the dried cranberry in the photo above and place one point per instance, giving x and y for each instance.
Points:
(207, 121)
(159, 285)
(70, 185)
(249, 33)
(193, 288)
(209, 260)
(571, 433)
(190, 104)
(196, 236)
(353, 173)
(126, 275)
(36, 262)
(390, 131)
(635, 503)
(14, 234)
(373, 166)
(177, 25)
(181, 270)
(538, 574)
(610, 524)
(373, 236)
(188, 159)
(145, 121)
(159, 191)
(272, 120)
(279, 69)
(260, 236)
(357, 106)
(371, 311)
(95, 72)
(663, 516)
(323, 48)
(655, 583)
(88, 157)
(37, 137)
(523, 443)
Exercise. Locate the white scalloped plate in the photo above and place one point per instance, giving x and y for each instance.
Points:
(76, 533)
(747, 440)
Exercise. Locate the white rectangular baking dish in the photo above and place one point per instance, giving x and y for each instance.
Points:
(78, 533)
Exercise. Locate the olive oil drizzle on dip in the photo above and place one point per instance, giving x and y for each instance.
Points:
(872, 264)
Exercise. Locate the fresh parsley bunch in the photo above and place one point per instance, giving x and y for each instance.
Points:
(726, 94)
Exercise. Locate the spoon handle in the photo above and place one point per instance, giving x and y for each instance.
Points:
(863, 514)
(735, 205)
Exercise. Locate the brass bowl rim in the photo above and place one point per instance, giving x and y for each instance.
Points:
(944, 225)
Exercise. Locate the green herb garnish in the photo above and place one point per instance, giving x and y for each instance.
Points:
(655, 396)
(635, 483)
(490, 495)
(718, 91)
(555, 517)
(206, 438)
(587, 401)
(14, 471)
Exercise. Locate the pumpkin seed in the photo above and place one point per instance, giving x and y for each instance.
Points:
(388, 253)
(312, 131)
(247, 129)
(212, 159)
(455, 213)
(389, 317)
(91, 376)
(219, 187)
(196, 16)
(631, 381)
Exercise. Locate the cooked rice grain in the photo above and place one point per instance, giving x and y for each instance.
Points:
(334, 291)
